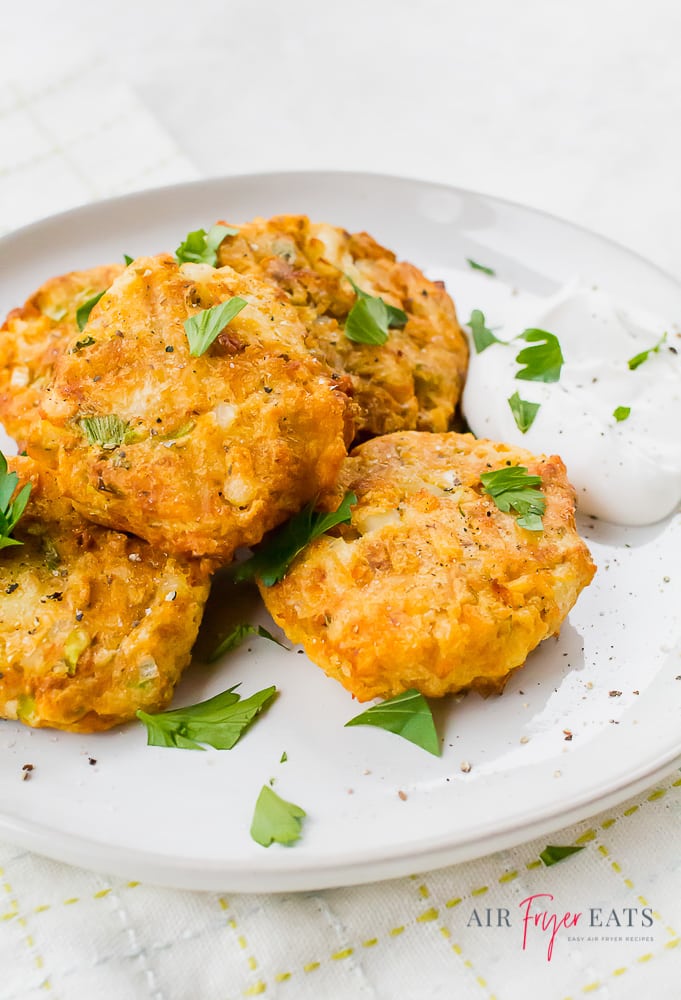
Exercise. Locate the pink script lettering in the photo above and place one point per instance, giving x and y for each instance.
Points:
(545, 921)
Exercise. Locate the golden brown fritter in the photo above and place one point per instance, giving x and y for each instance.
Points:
(414, 380)
(431, 586)
(32, 338)
(198, 455)
(94, 624)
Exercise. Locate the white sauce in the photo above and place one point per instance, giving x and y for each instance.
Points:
(628, 472)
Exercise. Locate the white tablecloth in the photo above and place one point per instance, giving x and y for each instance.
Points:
(570, 107)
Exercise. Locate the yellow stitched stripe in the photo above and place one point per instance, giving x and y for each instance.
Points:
(586, 837)
(255, 989)
(345, 953)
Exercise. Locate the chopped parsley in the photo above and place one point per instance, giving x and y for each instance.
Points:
(83, 312)
(544, 360)
(370, 318)
(553, 853)
(274, 819)
(10, 510)
(85, 342)
(203, 328)
(273, 556)
(219, 722)
(621, 413)
(128, 259)
(201, 247)
(107, 431)
(512, 489)
(474, 266)
(638, 359)
(482, 335)
(523, 412)
(407, 715)
(237, 636)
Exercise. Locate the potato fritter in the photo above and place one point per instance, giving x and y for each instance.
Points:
(414, 380)
(431, 586)
(93, 624)
(32, 338)
(197, 455)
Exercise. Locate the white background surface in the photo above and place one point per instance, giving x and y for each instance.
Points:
(570, 107)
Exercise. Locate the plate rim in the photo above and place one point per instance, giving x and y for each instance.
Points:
(213, 875)
(140, 194)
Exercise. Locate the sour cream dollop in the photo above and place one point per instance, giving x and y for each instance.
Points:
(626, 471)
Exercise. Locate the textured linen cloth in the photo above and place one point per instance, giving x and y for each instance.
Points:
(74, 137)
(458, 932)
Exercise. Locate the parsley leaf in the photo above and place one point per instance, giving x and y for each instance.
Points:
(83, 312)
(523, 412)
(553, 853)
(482, 336)
(544, 360)
(480, 267)
(370, 318)
(220, 721)
(10, 510)
(512, 489)
(638, 359)
(275, 819)
(201, 247)
(237, 636)
(205, 326)
(273, 556)
(621, 413)
(108, 431)
(128, 259)
(408, 715)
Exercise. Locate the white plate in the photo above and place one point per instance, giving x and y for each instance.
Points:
(182, 818)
